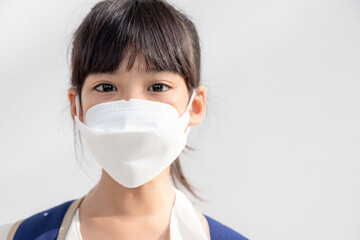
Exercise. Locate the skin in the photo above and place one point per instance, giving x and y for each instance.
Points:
(111, 211)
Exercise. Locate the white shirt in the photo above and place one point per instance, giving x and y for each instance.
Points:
(4, 229)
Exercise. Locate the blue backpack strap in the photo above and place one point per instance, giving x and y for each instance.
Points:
(44, 225)
(219, 231)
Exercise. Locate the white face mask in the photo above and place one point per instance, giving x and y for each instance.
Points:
(135, 140)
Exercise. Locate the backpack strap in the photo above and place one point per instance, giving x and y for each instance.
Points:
(65, 225)
(51, 224)
(13, 229)
(219, 231)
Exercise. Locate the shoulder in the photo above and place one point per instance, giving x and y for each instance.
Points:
(4, 230)
(219, 231)
(45, 223)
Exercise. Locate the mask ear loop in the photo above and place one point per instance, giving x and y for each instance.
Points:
(188, 109)
(190, 101)
(77, 104)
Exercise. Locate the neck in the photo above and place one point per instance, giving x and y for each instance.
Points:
(110, 198)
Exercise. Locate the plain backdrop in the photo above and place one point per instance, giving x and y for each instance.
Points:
(278, 156)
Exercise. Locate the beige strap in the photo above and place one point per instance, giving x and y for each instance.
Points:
(204, 223)
(65, 225)
(13, 229)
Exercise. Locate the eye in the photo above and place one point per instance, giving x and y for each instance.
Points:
(105, 87)
(158, 87)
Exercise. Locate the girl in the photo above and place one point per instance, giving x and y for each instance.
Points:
(135, 93)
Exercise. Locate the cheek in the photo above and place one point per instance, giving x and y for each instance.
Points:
(180, 100)
(88, 101)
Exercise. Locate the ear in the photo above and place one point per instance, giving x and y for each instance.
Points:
(198, 107)
(71, 96)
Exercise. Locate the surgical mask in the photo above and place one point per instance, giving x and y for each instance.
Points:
(135, 140)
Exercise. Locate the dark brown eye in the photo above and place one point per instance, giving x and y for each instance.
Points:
(158, 87)
(105, 87)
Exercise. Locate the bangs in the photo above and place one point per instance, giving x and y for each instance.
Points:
(115, 32)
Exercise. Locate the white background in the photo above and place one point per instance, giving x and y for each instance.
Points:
(278, 156)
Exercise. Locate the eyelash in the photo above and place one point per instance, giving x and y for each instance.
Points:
(104, 84)
(113, 88)
(159, 84)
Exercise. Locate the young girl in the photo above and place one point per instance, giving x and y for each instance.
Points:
(135, 95)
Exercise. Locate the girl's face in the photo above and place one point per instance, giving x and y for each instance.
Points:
(165, 87)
